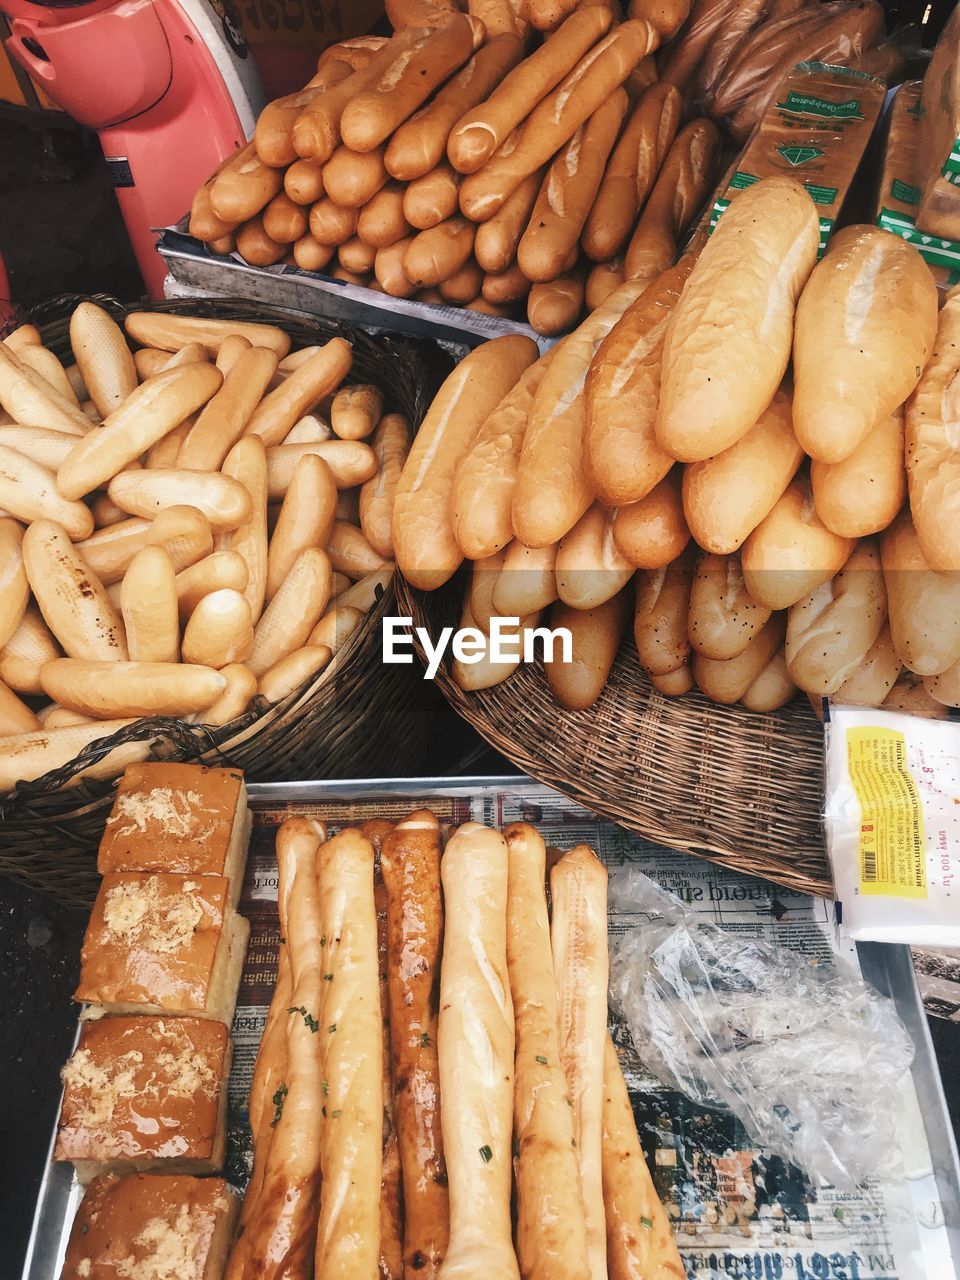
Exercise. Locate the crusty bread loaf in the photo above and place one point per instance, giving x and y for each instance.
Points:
(652, 532)
(865, 326)
(729, 681)
(596, 635)
(876, 675)
(863, 493)
(791, 551)
(723, 616)
(621, 454)
(662, 602)
(728, 347)
(933, 446)
(726, 497)
(924, 606)
(831, 631)
(773, 688)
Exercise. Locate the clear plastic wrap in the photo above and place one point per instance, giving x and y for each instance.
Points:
(806, 1055)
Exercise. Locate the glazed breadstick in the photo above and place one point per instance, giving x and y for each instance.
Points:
(476, 1057)
(551, 1229)
(351, 1036)
(578, 933)
(639, 1239)
(280, 1228)
(410, 862)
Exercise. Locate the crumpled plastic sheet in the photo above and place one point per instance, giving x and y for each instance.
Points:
(806, 1056)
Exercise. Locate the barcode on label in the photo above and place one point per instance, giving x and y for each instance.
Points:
(868, 868)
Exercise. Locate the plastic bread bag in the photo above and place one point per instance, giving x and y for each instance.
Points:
(806, 1055)
(892, 813)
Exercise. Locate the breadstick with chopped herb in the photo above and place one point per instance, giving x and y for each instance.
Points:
(410, 862)
(351, 1033)
(639, 1236)
(578, 885)
(551, 1229)
(277, 1241)
(476, 1057)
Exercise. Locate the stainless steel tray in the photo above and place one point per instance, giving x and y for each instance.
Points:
(930, 1204)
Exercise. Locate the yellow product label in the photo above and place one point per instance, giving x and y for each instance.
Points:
(892, 862)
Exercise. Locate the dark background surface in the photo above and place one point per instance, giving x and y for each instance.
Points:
(60, 231)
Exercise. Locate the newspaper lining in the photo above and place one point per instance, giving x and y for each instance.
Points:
(739, 1211)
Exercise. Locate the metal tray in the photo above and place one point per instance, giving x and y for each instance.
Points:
(192, 266)
(931, 1188)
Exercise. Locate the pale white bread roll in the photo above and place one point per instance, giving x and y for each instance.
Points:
(791, 551)
(351, 462)
(15, 716)
(421, 142)
(933, 445)
(152, 411)
(726, 497)
(220, 630)
(48, 448)
(148, 603)
(527, 582)
(223, 500)
(923, 606)
(773, 687)
(831, 631)
(632, 170)
(44, 363)
(103, 357)
(29, 491)
(876, 675)
(661, 608)
(32, 401)
(172, 333)
(568, 191)
(723, 617)
(25, 756)
(552, 491)
(283, 1220)
(297, 606)
(486, 476)
(639, 1236)
(866, 322)
(478, 134)
(28, 650)
(551, 1228)
(300, 391)
(371, 116)
(652, 532)
(477, 1042)
(423, 534)
(590, 566)
(863, 493)
(182, 531)
(14, 588)
(495, 246)
(685, 180)
(596, 635)
(945, 688)
(621, 454)
(71, 597)
(108, 690)
(557, 117)
(910, 696)
(728, 346)
(391, 444)
(348, 1231)
(578, 936)
(224, 418)
(728, 681)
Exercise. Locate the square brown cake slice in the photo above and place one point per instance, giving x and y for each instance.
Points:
(163, 944)
(181, 818)
(145, 1094)
(145, 1227)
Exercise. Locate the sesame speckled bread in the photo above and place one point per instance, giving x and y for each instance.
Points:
(145, 1094)
(163, 944)
(144, 1227)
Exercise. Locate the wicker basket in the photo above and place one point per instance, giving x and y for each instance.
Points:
(739, 788)
(359, 718)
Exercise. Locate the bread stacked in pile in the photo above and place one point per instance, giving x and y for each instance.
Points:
(145, 1092)
(765, 530)
(445, 165)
